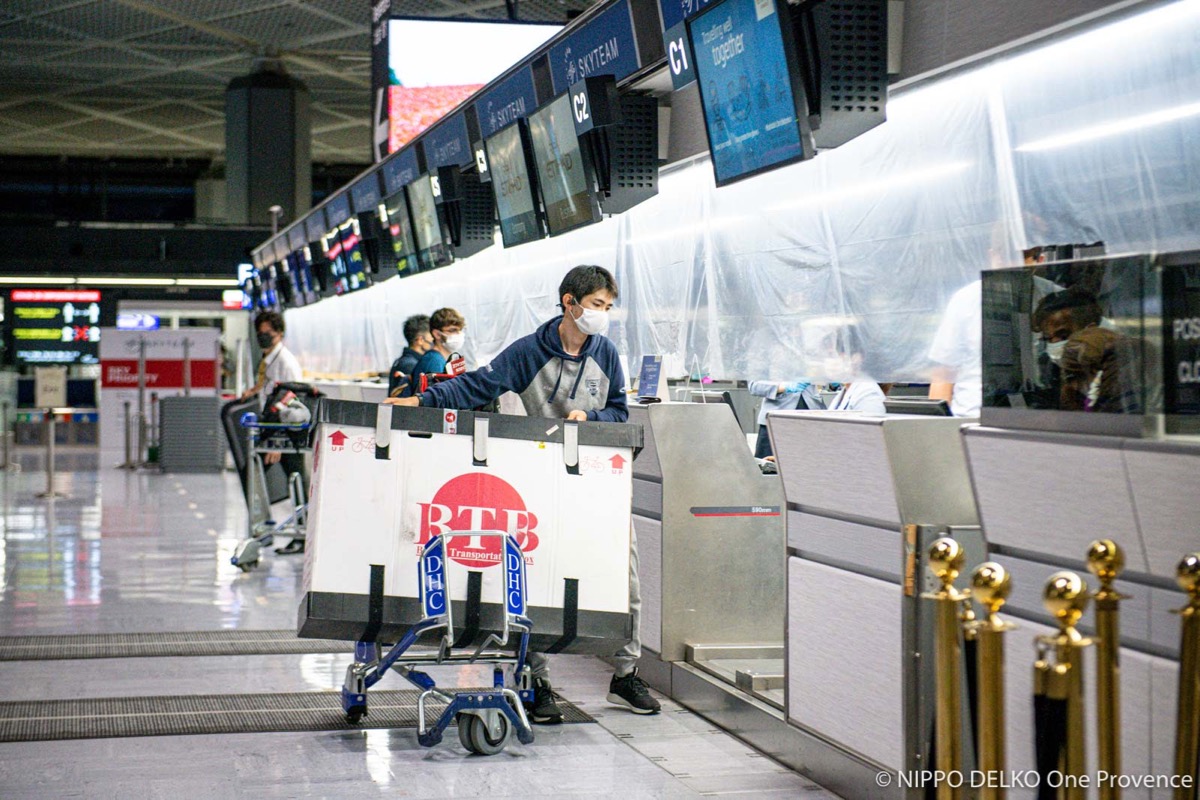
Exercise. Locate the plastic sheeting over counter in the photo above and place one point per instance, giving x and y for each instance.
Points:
(1092, 137)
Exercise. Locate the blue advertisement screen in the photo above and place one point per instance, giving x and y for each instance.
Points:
(749, 107)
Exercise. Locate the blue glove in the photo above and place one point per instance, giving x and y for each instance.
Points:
(795, 388)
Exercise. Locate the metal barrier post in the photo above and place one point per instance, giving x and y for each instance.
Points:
(128, 463)
(141, 401)
(1187, 722)
(51, 435)
(5, 433)
(1106, 560)
(187, 367)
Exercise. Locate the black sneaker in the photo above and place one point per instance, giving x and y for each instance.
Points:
(543, 710)
(291, 548)
(633, 693)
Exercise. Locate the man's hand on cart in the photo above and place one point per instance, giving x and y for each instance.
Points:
(577, 416)
(402, 401)
(272, 458)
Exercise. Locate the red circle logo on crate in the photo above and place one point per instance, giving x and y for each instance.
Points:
(478, 501)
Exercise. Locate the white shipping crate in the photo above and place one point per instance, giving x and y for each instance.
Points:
(375, 505)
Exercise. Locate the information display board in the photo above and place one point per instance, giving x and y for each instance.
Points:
(755, 111)
(512, 182)
(563, 173)
(56, 326)
(427, 228)
(1181, 341)
(398, 234)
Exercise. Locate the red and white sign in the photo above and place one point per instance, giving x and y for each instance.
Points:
(478, 501)
(159, 374)
(450, 421)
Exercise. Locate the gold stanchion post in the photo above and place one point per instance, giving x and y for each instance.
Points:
(1066, 597)
(946, 559)
(991, 585)
(1105, 560)
(1187, 720)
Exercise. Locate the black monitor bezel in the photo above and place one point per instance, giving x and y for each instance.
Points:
(426, 257)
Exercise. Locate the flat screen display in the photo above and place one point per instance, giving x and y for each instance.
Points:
(398, 242)
(56, 326)
(1066, 339)
(430, 75)
(352, 253)
(331, 243)
(747, 89)
(427, 228)
(563, 175)
(516, 204)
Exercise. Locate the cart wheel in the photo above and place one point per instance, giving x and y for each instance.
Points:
(481, 737)
(354, 714)
(464, 731)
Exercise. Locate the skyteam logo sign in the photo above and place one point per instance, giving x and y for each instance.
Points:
(512, 99)
(605, 46)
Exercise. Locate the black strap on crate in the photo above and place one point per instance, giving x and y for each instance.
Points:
(374, 605)
(474, 603)
(570, 616)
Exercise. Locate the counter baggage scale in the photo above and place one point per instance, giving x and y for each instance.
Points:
(544, 510)
(710, 529)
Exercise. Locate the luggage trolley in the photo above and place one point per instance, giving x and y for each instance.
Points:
(271, 437)
(486, 718)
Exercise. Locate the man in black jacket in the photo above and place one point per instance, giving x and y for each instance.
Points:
(416, 332)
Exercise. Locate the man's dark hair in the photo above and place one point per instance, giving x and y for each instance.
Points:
(583, 280)
(272, 318)
(414, 326)
(1084, 308)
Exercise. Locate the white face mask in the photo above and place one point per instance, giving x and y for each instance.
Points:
(455, 341)
(592, 322)
(1055, 351)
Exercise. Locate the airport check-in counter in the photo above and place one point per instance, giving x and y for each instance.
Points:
(710, 537)
(1043, 498)
(865, 497)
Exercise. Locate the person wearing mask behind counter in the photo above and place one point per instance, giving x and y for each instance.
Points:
(844, 364)
(567, 369)
(446, 328)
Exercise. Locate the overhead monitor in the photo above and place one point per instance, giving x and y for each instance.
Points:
(398, 243)
(429, 77)
(508, 155)
(427, 227)
(56, 326)
(352, 254)
(755, 108)
(331, 246)
(564, 175)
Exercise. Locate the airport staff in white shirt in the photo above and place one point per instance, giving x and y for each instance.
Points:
(278, 365)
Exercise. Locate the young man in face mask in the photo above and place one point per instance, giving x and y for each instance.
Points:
(567, 369)
(446, 329)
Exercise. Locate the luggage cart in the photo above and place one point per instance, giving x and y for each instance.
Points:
(486, 718)
(270, 437)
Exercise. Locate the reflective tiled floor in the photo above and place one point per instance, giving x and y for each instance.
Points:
(147, 552)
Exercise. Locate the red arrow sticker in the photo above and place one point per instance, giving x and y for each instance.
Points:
(618, 463)
(338, 440)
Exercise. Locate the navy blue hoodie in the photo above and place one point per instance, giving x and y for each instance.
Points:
(550, 382)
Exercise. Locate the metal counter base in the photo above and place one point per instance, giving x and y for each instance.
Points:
(761, 725)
